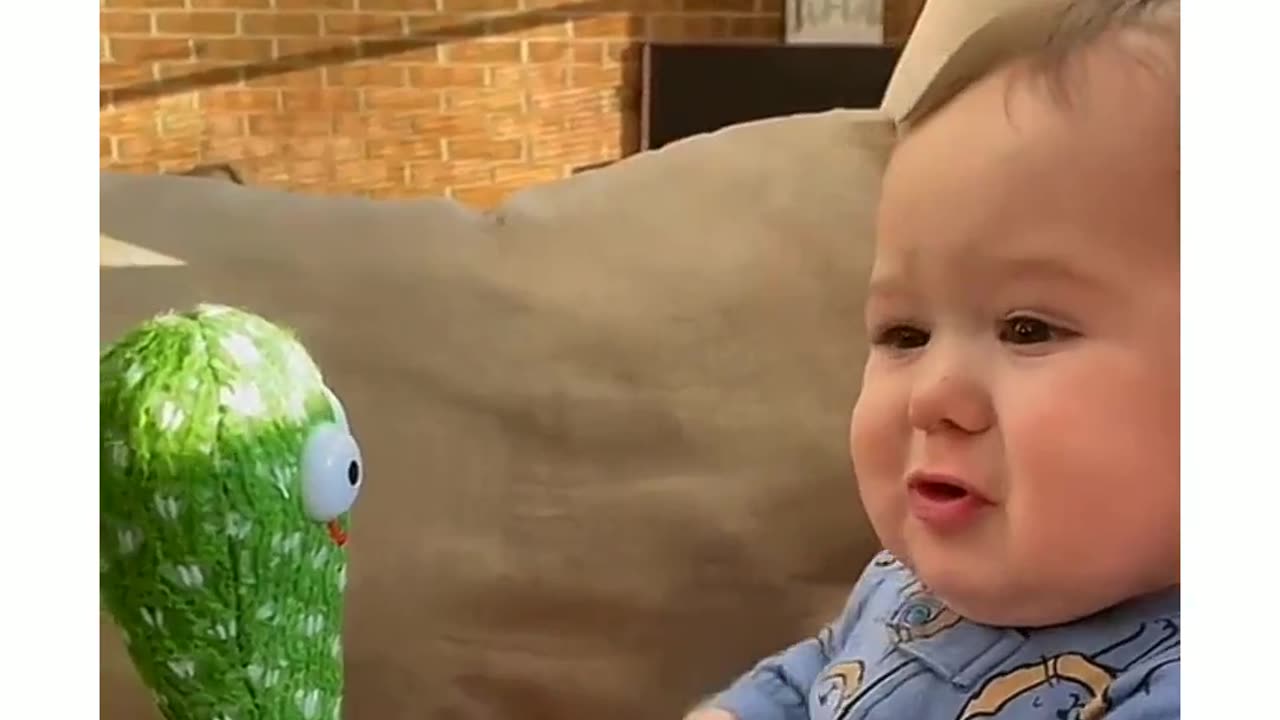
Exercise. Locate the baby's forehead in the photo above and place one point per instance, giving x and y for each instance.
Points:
(1004, 163)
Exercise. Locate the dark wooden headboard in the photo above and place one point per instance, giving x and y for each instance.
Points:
(691, 89)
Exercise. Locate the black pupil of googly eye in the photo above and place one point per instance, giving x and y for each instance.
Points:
(353, 473)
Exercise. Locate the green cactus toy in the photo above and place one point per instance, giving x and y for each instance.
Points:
(227, 472)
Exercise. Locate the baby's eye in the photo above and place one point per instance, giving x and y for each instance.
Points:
(901, 337)
(1027, 330)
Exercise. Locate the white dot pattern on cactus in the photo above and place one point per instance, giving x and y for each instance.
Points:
(153, 618)
(183, 668)
(242, 349)
(167, 507)
(238, 527)
(243, 399)
(312, 625)
(308, 702)
(190, 575)
(170, 417)
(119, 454)
(266, 613)
(133, 375)
(128, 540)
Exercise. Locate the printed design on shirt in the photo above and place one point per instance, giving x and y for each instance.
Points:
(1068, 686)
(838, 687)
(920, 616)
(885, 560)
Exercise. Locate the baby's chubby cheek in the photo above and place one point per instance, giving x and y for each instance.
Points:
(879, 445)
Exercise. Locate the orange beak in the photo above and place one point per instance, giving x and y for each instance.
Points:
(336, 533)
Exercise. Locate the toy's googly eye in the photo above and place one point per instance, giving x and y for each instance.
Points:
(332, 472)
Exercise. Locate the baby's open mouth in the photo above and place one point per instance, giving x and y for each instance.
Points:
(940, 491)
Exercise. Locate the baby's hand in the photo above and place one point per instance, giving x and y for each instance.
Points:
(711, 714)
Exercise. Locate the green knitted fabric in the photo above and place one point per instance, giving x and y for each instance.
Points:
(217, 437)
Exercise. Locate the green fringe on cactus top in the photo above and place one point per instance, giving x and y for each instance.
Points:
(227, 473)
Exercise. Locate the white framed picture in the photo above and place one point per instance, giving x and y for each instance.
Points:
(835, 21)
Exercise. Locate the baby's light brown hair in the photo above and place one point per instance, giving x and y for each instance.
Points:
(1048, 36)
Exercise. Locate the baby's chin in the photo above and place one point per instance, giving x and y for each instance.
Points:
(992, 596)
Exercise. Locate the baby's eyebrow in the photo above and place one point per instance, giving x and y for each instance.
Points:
(1044, 268)
(890, 284)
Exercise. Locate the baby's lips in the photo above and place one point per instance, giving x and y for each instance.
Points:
(336, 533)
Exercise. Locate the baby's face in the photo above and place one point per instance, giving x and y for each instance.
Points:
(1017, 438)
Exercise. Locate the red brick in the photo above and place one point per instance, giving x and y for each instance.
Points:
(278, 24)
(403, 5)
(126, 121)
(301, 78)
(706, 27)
(426, 55)
(572, 150)
(295, 123)
(450, 124)
(437, 26)
(605, 76)
(756, 28)
(483, 149)
(541, 32)
(240, 99)
(321, 148)
(180, 70)
(143, 167)
(113, 75)
(132, 50)
(315, 4)
(720, 6)
(141, 3)
(224, 125)
(232, 49)
(124, 23)
(229, 4)
(493, 51)
(334, 50)
(441, 174)
(368, 173)
(400, 99)
(364, 75)
(482, 196)
(619, 51)
(543, 51)
(375, 124)
(321, 100)
(152, 148)
(528, 174)
(364, 24)
(478, 5)
(409, 149)
(446, 76)
(196, 23)
(592, 52)
(484, 100)
(536, 78)
(608, 26)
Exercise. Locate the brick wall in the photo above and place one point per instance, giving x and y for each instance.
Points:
(467, 98)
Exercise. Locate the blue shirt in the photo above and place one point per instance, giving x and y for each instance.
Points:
(896, 653)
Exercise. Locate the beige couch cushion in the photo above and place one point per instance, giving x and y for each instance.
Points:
(604, 427)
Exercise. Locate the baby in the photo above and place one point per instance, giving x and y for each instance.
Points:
(1016, 442)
